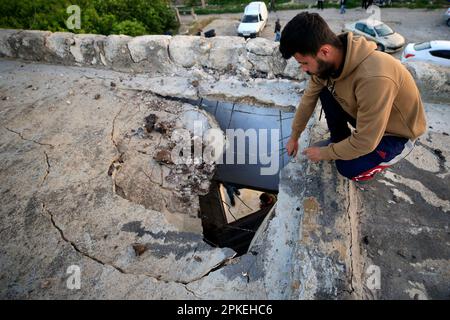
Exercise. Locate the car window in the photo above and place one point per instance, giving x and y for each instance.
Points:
(445, 54)
(422, 46)
(369, 31)
(260, 18)
(250, 19)
(383, 30)
(360, 26)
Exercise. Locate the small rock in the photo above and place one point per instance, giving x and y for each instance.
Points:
(150, 121)
(198, 259)
(46, 284)
(439, 154)
(139, 248)
(163, 127)
(195, 83)
(366, 240)
(68, 102)
(445, 133)
(401, 254)
(113, 84)
(163, 156)
(97, 96)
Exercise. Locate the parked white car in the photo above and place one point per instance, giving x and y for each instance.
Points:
(387, 40)
(437, 52)
(447, 16)
(254, 20)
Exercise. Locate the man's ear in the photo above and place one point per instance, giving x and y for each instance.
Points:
(324, 51)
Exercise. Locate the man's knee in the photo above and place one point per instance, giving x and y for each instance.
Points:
(344, 168)
(349, 170)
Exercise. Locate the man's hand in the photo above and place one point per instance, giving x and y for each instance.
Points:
(313, 154)
(292, 147)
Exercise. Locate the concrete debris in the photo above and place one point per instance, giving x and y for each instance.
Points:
(150, 121)
(163, 156)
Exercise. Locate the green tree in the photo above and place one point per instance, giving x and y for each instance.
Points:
(133, 17)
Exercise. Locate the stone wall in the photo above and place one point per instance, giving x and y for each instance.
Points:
(433, 81)
(153, 54)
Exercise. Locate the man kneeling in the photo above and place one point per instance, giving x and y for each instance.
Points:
(356, 84)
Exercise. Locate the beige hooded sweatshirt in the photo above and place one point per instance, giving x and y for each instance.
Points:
(376, 90)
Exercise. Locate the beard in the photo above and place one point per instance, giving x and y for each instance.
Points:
(324, 69)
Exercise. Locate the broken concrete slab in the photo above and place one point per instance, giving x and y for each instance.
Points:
(293, 71)
(226, 54)
(432, 80)
(29, 44)
(59, 43)
(189, 51)
(151, 53)
(6, 48)
(264, 56)
(68, 190)
(239, 279)
(88, 49)
(177, 87)
(319, 229)
(260, 91)
(117, 54)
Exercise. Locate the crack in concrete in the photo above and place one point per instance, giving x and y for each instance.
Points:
(47, 171)
(218, 266)
(158, 184)
(169, 55)
(25, 139)
(73, 245)
(352, 289)
(113, 127)
(191, 292)
(122, 271)
(129, 52)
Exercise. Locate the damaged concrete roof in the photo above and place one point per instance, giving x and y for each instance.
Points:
(84, 183)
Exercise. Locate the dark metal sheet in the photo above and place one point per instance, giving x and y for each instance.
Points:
(240, 116)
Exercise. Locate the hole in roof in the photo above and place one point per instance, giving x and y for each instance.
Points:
(240, 196)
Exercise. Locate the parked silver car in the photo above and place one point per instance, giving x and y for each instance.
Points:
(447, 16)
(387, 40)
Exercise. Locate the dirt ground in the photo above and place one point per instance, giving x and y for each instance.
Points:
(415, 25)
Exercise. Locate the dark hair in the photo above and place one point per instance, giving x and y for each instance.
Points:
(305, 34)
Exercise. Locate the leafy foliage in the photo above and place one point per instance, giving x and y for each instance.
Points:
(131, 17)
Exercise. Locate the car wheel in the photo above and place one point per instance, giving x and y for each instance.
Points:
(448, 22)
(380, 47)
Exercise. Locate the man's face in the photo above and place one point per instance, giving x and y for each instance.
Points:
(313, 65)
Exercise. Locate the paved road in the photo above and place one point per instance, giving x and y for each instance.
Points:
(415, 25)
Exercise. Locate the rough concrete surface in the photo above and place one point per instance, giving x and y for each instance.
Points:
(88, 179)
(406, 226)
(65, 138)
(84, 183)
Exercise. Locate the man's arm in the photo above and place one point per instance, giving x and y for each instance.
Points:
(303, 113)
(375, 97)
(306, 107)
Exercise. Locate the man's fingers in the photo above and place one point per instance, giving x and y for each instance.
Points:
(294, 152)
